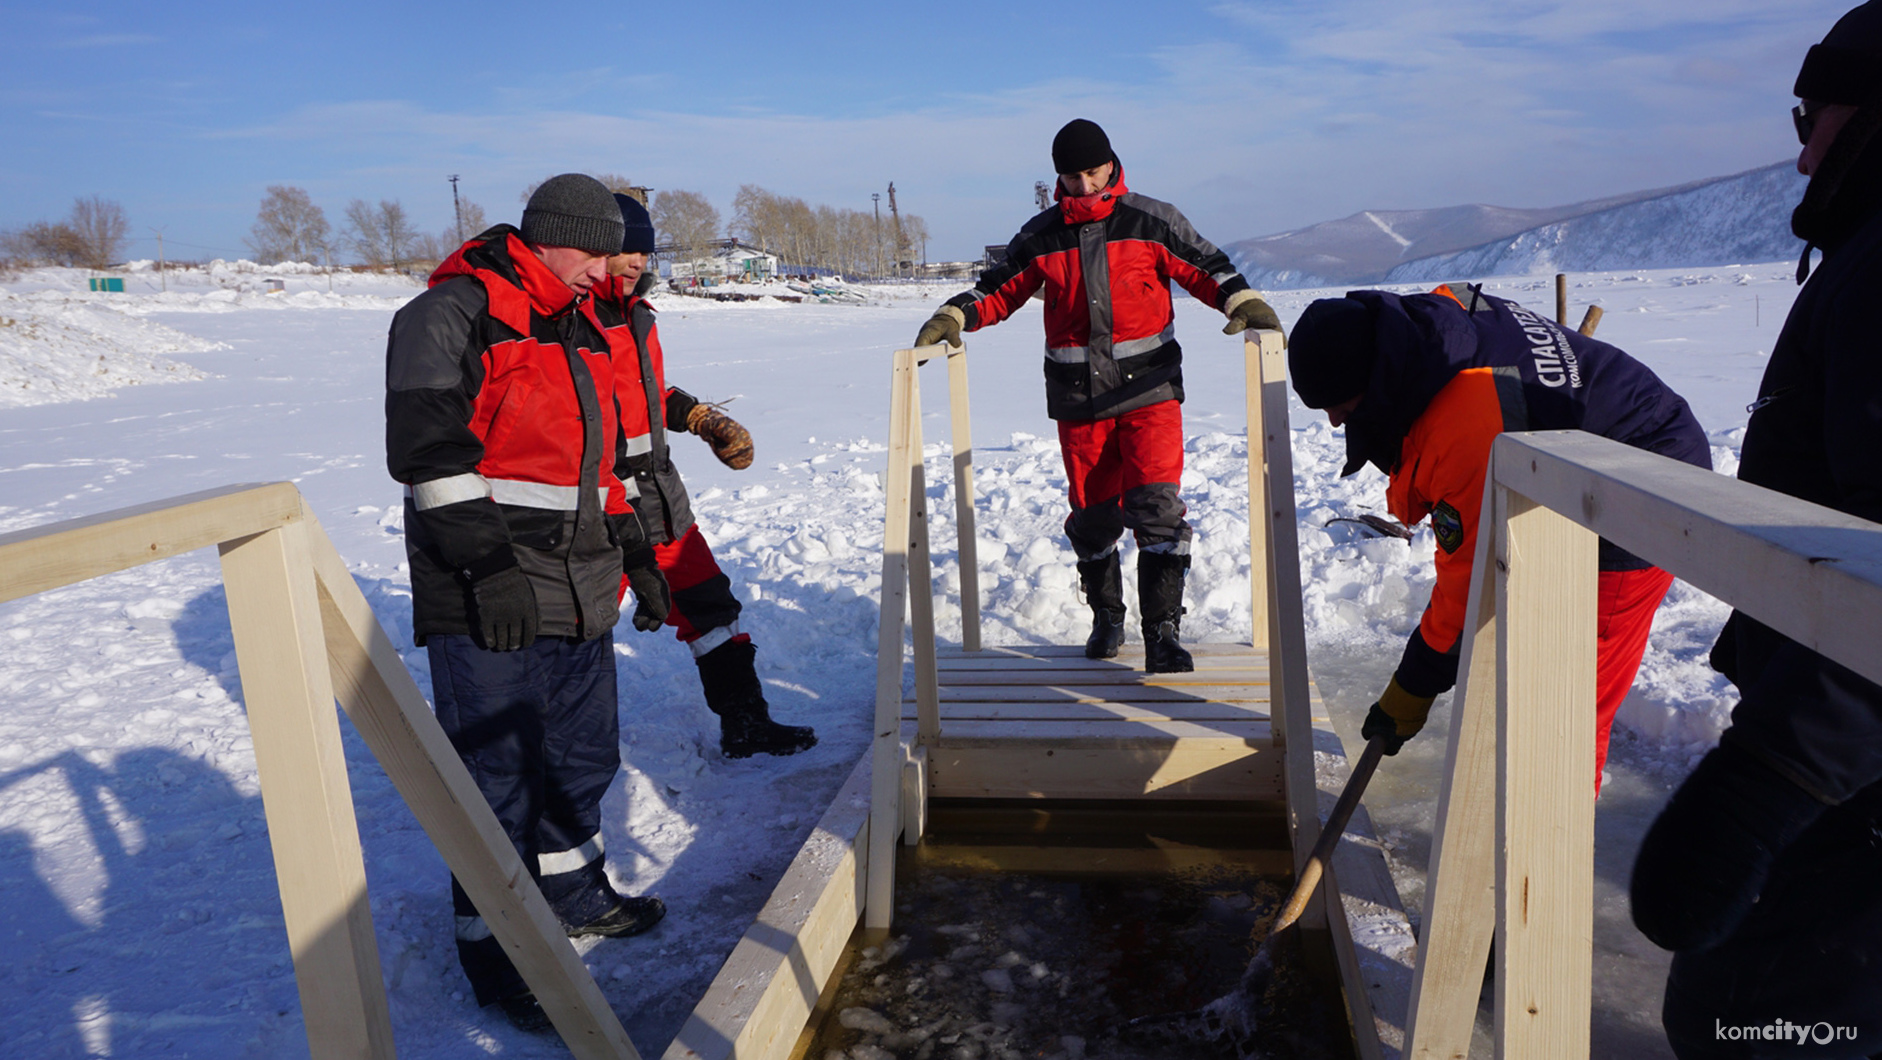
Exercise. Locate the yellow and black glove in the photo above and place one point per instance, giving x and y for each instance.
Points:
(730, 442)
(1396, 717)
(944, 326)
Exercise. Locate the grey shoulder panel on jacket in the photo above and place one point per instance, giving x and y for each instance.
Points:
(1180, 228)
(425, 348)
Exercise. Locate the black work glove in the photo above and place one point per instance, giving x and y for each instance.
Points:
(652, 599)
(1708, 855)
(507, 616)
(944, 326)
(1396, 717)
(1247, 312)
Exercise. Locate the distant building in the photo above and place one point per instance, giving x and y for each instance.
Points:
(726, 260)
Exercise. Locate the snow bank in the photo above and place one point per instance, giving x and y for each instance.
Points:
(54, 348)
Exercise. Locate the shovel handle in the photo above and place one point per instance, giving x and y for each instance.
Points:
(1311, 872)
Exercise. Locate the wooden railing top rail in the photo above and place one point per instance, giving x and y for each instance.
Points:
(1812, 573)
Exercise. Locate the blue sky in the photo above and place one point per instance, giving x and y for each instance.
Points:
(1253, 117)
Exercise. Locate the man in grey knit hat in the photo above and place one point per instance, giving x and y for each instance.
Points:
(520, 525)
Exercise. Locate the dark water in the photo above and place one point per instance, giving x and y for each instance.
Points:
(1038, 942)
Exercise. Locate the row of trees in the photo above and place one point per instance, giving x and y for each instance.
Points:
(825, 237)
(92, 236)
(290, 226)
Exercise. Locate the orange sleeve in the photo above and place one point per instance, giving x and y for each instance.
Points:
(1443, 463)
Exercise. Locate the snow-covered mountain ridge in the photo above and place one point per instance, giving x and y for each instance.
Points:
(1744, 217)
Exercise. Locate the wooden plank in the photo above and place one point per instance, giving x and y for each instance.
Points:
(1130, 650)
(1809, 572)
(1194, 769)
(985, 662)
(1260, 585)
(1545, 780)
(1100, 710)
(887, 751)
(915, 796)
(1166, 857)
(967, 545)
(1254, 734)
(1119, 678)
(391, 715)
(274, 613)
(763, 994)
(47, 557)
(1460, 888)
(1071, 693)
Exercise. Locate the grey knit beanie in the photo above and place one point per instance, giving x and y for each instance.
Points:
(573, 210)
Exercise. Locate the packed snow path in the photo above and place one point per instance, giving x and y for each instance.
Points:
(138, 911)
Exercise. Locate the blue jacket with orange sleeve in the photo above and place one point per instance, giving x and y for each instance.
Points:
(1454, 370)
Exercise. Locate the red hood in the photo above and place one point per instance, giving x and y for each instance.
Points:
(535, 287)
(1084, 209)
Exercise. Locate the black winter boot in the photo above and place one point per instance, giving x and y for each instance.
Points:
(1104, 591)
(733, 693)
(1160, 595)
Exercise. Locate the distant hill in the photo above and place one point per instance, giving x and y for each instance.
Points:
(1743, 217)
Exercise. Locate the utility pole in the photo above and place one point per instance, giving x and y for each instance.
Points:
(161, 278)
(901, 242)
(876, 197)
(457, 208)
(1041, 194)
(327, 253)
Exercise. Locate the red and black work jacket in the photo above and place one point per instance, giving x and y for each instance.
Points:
(1105, 262)
(501, 424)
(647, 407)
(1456, 368)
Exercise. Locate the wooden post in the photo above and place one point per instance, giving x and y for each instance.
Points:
(1590, 320)
(1460, 889)
(886, 757)
(968, 549)
(1561, 299)
(1259, 582)
(275, 615)
(1546, 591)
(393, 718)
(921, 578)
(1289, 688)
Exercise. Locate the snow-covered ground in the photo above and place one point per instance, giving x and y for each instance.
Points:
(138, 912)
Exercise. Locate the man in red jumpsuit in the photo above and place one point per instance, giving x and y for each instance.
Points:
(1423, 385)
(705, 613)
(1105, 257)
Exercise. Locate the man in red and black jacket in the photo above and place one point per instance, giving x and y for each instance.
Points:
(705, 613)
(1105, 257)
(501, 423)
(1423, 384)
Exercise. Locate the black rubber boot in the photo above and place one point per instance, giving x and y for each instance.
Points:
(1160, 593)
(733, 693)
(1104, 591)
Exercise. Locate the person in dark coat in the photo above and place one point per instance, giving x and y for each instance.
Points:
(1764, 872)
(1423, 385)
(499, 422)
(705, 614)
(1104, 258)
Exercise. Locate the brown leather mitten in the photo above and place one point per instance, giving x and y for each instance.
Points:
(730, 442)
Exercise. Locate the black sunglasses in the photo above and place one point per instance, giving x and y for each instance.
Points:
(1806, 121)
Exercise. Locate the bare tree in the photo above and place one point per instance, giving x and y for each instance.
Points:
(101, 228)
(288, 227)
(43, 243)
(687, 221)
(383, 236)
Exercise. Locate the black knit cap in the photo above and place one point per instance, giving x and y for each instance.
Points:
(1847, 66)
(1081, 145)
(1330, 352)
(573, 210)
(639, 237)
